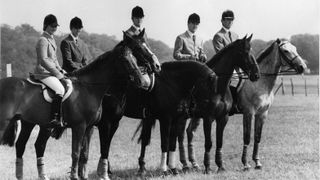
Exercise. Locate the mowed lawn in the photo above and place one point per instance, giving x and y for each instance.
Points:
(289, 148)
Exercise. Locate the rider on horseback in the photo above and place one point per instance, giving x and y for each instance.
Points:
(48, 70)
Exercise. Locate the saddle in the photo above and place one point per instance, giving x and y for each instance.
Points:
(47, 92)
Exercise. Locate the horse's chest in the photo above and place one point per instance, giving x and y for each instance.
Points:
(264, 102)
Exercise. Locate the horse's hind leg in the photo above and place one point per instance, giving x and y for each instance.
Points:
(77, 138)
(172, 148)
(247, 119)
(258, 124)
(84, 154)
(24, 135)
(40, 146)
(182, 152)
(221, 124)
(192, 127)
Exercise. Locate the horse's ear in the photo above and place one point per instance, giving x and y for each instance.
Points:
(141, 35)
(249, 38)
(245, 37)
(126, 36)
(278, 41)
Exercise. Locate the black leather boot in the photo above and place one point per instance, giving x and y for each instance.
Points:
(56, 112)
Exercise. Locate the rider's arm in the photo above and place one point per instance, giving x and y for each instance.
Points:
(178, 46)
(217, 43)
(48, 62)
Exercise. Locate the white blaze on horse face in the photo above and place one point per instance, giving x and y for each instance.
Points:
(163, 164)
(291, 53)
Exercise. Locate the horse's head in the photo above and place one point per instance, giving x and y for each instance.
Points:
(245, 60)
(290, 57)
(141, 51)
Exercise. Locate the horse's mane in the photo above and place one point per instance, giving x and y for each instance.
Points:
(190, 66)
(100, 60)
(215, 59)
(265, 52)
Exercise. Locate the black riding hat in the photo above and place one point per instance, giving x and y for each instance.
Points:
(137, 12)
(50, 20)
(76, 23)
(194, 18)
(227, 15)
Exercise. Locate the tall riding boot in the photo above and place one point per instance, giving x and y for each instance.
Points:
(56, 112)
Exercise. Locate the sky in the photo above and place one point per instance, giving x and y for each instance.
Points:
(165, 19)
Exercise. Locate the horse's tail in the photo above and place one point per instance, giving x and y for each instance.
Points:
(10, 132)
(146, 126)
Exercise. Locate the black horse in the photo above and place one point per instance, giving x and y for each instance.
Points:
(165, 101)
(19, 99)
(223, 64)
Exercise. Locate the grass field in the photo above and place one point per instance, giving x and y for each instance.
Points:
(289, 148)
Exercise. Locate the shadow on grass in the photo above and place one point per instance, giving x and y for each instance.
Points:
(131, 173)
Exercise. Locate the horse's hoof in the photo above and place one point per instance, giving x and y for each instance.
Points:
(258, 167)
(174, 171)
(196, 167)
(141, 172)
(221, 170)
(165, 173)
(246, 167)
(186, 169)
(207, 171)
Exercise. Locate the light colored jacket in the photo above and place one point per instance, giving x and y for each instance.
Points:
(47, 63)
(185, 47)
(222, 39)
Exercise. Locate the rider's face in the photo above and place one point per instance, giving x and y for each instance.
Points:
(52, 28)
(227, 23)
(75, 31)
(192, 27)
(137, 21)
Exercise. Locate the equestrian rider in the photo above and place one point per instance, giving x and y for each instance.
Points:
(48, 70)
(73, 49)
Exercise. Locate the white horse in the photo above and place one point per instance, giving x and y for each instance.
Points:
(255, 98)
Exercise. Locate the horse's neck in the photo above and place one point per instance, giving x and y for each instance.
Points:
(269, 68)
(224, 69)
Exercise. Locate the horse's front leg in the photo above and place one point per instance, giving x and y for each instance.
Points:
(221, 124)
(193, 125)
(207, 123)
(247, 119)
(78, 132)
(40, 146)
(84, 154)
(172, 148)
(165, 134)
(258, 125)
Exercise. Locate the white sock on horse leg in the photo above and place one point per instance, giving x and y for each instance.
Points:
(172, 160)
(163, 163)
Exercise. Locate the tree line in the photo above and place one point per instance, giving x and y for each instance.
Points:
(18, 48)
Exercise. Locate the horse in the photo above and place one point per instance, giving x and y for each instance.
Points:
(21, 100)
(172, 85)
(255, 98)
(114, 110)
(223, 64)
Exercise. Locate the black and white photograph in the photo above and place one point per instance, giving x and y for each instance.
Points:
(159, 89)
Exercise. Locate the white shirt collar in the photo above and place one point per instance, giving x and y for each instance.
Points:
(45, 32)
(74, 38)
(227, 30)
(190, 33)
(137, 28)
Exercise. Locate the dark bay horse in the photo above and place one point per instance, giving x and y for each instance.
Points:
(173, 85)
(255, 98)
(20, 100)
(114, 109)
(223, 64)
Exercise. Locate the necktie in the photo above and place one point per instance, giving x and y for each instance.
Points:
(229, 33)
